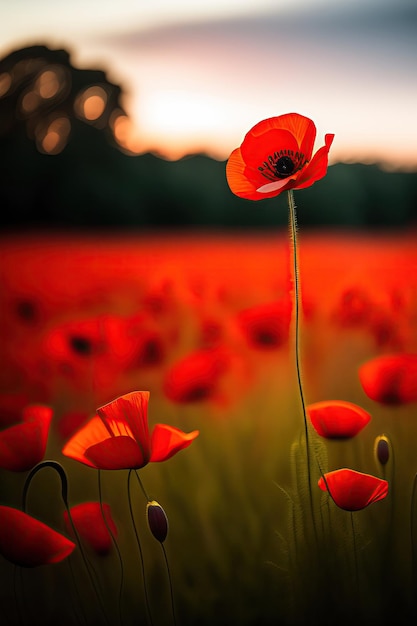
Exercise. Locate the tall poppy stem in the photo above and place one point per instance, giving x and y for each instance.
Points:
(296, 277)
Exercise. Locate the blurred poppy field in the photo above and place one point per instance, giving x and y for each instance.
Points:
(205, 323)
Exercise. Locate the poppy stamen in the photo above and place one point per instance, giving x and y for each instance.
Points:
(282, 164)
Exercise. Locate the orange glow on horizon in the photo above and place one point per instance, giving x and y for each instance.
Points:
(175, 138)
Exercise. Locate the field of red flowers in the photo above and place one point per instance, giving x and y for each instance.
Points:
(205, 323)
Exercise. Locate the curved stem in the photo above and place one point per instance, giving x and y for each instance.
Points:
(293, 233)
(62, 474)
(64, 493)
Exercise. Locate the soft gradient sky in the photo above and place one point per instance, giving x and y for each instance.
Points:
(198, 75)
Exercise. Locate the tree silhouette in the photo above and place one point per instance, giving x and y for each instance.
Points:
(64, 139)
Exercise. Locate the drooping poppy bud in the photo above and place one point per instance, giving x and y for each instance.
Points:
(337, 419)
(157, 520)
(382, 449)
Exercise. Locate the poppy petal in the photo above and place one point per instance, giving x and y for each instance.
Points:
(317, 167)
(167, 441)
(239, 183)
(27, 542)
(276, 185)
(23, 445)
(337, 419)
(92, 528)
(390, 379)
(257, 147)
(92, 433)
(351, 490)
(131, 409)
(116, 453)
(301, 128)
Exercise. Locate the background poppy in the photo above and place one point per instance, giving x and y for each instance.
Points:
(337, 419)
(390, 379)
(93, 529)
(23, 445)
(353, 490)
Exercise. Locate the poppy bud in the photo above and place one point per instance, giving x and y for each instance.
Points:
(157, 520)
(382, 449)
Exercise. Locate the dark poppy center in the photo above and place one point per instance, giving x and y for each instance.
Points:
(284, 166)
(81, 345)
(26, 311)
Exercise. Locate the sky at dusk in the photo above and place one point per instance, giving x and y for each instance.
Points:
(197, 76)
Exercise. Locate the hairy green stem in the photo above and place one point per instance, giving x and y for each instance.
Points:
(293, 235)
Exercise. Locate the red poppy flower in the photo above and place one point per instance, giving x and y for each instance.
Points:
(353, 490)
(390, 379)
(266, 326)
(11, 408)
(28, 542)
(92, 528)
(70, 422)
(76, 340)
(139, 343)
(195, 377)
(337, 419)
(354, 308)
(276, 155)
(23, 444)
(118, 436)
